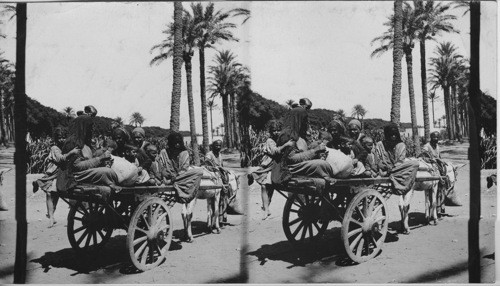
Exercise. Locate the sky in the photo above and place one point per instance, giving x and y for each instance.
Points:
(99, 53)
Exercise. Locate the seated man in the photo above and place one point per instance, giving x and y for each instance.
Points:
(213, 157)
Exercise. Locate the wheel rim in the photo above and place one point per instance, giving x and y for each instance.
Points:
(365, 226)
(88, 226)
(302, 218)
(150, 234)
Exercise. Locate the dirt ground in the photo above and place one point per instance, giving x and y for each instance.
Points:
(429, 254)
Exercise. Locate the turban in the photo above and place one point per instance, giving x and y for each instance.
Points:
(356, 123)
(140, 131)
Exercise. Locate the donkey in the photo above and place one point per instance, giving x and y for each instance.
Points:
(431, 189)
(213, 197)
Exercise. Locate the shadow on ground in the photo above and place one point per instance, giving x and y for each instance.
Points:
(114, 256)
(415, 220)
(326, 250)
(198, 228)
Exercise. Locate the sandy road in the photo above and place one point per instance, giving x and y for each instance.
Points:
(431, 254)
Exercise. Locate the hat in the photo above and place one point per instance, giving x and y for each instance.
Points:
(355, 122)
(140, 131)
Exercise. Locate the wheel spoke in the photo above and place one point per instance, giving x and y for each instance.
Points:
(79, 210)
(145, 221)
(355, 242)
(142, 230)
(375, 242)
(145, 255)
(100, 234)
(79, 229)
(84, 234)
(95, 237)
(377, 209)
(356, 231)
(139, 240)
(294, 211)
(317, 227)
(83, 208)
(311, 230)
(298, 229)
(139, 251)
(360, 247)
(299, 200)
(159, 250)
(372, 204)
(87, 243)
(150, 212)
(304, 232)
(379, 219)
(160, 219)
(356, 222)
(294, 221)
(360, 213)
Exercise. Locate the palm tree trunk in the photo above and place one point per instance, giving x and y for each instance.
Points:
(21, 162)
(192, 125)
(425, 102)
(211, 124)
(236, 137)
(397, 55)
(3, 134)
(204, 117)
(225, 112)
(411, 92)
(433, 118)
(446, 92)
(231, 121)
(455, 111)
(177, 67)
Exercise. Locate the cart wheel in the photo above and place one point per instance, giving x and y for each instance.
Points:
(302, 218)
(88, 226)
(365, 225)
(150, 233)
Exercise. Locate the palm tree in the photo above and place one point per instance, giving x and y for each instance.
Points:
(433, 97)
(289, 103)
(358, 111)
(226, 77)
(177, 68)
(444, 73)
(340, 113)
(397, 55)
(136, 119)
(166, 50)
(118, 120)
(211, 106)
(463, 4)
(69, 112)
(6, 87)
(387, 41)
(212, 27)
(9, 10)
(431, 21)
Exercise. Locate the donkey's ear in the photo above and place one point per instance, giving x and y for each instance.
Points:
(456, 167)
(4, 170)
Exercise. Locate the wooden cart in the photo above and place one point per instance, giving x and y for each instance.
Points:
(143, 211)
(358, 203)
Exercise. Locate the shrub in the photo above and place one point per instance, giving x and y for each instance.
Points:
(37, 153)
(488, 152)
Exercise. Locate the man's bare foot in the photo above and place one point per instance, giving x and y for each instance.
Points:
(266, 215)
(52, 222)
